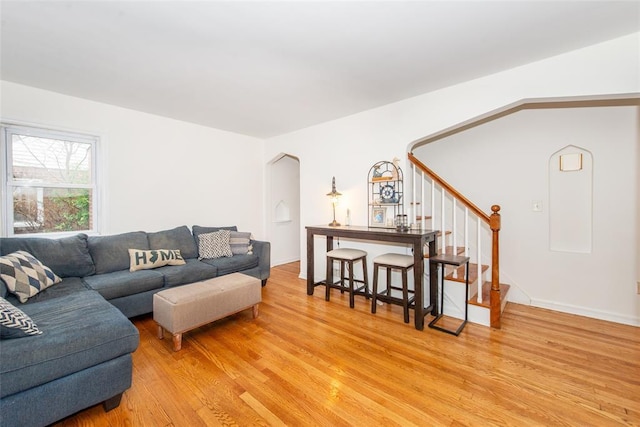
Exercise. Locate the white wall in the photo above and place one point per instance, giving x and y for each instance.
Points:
(158, 173)
(637, 181)
(348, 147)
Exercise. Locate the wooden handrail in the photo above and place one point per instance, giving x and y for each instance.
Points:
(442, 183)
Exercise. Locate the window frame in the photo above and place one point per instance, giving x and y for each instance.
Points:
(8, 129)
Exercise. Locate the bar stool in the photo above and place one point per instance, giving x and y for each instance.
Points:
(349, 257)
(404, 263)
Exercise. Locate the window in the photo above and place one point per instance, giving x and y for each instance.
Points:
(50, 181)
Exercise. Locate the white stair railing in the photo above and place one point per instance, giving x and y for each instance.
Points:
(444, 211)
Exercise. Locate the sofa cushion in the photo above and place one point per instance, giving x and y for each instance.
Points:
(192, 271)
(240, 243)
(25, 275)
(176, 238)
(68, 286)
(228, 265)
(84, 331)
(111, 253)
(154, 258)
(214, 245)
(67, 257)
(123, 283)
(14, 323)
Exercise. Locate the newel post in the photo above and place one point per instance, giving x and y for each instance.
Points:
(494, 297)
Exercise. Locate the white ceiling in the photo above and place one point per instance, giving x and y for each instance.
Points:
(270, 67)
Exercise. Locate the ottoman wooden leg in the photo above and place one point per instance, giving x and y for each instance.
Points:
(177, 342)
(255, 311)
(160, 332)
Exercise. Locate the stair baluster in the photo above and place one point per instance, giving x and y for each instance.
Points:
(466, 231)
(479, 258)
(454, 232)
(443, 225)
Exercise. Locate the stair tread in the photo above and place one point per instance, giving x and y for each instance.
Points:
(449, 251)
(473, 273)
(486, 290)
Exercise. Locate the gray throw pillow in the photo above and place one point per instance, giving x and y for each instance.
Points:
(240, 243)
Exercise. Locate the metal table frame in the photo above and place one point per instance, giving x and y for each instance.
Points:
(439, 262)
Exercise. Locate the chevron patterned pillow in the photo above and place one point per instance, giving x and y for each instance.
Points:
(214, 245)
(24, 275)
(15, 323)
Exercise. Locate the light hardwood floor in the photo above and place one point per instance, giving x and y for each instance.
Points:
(305, 361)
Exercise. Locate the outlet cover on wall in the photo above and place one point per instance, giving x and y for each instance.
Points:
(536, 205)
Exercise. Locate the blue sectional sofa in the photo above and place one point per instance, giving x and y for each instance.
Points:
(83, 355)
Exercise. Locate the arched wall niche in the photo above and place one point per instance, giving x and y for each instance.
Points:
(571, 200)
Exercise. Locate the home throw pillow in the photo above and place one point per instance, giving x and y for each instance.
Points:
(240, 243)
(214, 245)
(15, 323)
(143, 259)
(24, 275)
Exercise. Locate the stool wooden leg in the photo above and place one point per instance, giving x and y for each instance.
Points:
(374, 294)
(342, 277)
(254, 311)
(365, 276)
(177, 342)
(328, 278)
(351, 295)
(388, 280)
(405, 295)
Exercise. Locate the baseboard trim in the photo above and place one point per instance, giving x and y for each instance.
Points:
(587, 312)
(286, 261)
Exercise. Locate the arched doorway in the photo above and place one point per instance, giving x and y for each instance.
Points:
(283, 209)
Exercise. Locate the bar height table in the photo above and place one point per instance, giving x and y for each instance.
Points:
(416, 238)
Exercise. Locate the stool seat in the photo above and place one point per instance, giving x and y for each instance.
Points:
(393, 261)
(346, 254)
(347, 257)
(396, 260)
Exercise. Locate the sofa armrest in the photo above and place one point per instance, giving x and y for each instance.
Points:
(263, 251)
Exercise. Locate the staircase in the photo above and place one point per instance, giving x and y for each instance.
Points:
(463, 229)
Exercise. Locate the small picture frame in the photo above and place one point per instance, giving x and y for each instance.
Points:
(378, 216)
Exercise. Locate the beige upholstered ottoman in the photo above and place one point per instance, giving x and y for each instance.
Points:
(187, 307)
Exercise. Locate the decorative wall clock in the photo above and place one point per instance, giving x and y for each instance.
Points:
(387, 193)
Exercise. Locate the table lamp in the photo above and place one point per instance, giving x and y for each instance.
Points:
(334, 196)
